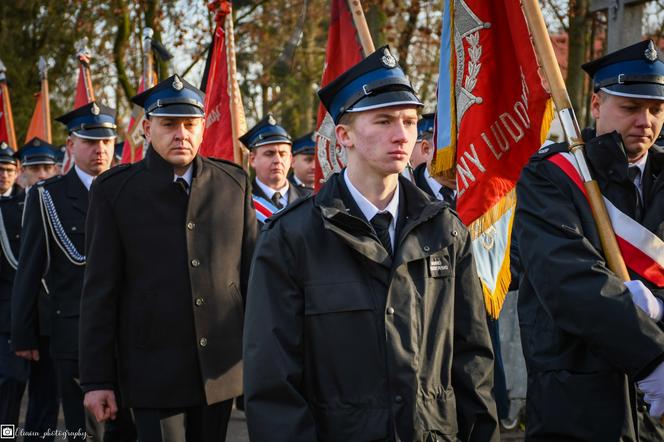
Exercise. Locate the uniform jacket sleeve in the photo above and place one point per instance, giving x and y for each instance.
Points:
(472, 366)
(570, 277)
(27, 283)
(273, 345)
(103, 272)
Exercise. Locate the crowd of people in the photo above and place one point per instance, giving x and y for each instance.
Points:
(146, 298)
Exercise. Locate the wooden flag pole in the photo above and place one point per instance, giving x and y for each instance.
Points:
(355, 7)
(7, 106)
(238, 120)
(43, 73)
(547, 58)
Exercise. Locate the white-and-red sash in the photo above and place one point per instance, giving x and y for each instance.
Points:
(264, 208)
(642, 250)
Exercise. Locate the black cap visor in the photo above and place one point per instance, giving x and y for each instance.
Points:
(649, 91)
(100, 133)
(386, 99)
(178, 111)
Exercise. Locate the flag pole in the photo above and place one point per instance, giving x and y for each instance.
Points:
(84, 59)
(355, 7)
(547, 58)
(7, 106)
(238, 120)
(46, 107)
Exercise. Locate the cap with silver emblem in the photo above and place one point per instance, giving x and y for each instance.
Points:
(425, 126)
(92, 121)
(265, 132)
(375, 82)
(36, 151)
(173, 97)
(6, 154)
(636, 71)
(305, 145)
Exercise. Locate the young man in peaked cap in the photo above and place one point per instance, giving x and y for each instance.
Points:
(53, 249)
(365, 318)
(163, 298)
(589, 339)
(270, 155)
(304, 164)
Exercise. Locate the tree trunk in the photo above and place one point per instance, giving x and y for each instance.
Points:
(120, 47)
(407, 34)
(153, 19)
(579, 34)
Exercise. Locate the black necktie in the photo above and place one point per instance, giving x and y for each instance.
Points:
(276, 200)
(182, 184)
(381, 224)
(448, 195)
(634, 172)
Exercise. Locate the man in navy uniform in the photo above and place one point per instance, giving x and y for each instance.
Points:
(270, 155)
(443, 189)
(365, 316)
(304, 166)
(53, 250)
(37, 163)
(170, 240)
(8, 172)
(588, 337)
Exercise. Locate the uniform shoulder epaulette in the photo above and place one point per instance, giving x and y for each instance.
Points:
(46, 182)
(550, 149)
(286, 210)
(229, 163)
(113, 171)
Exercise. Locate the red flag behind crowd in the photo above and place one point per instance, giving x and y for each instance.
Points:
(343, 51)
(38, 127)
(132, 150)
(218, 135)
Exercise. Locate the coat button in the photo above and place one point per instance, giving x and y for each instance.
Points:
(203, 342)
(57, 312)
(73, 229)
(195, 263)
(455, 233)
(426, 248)
(190, 225)
(390, 311)
(18, 236)
(398, 399)
(199, 302)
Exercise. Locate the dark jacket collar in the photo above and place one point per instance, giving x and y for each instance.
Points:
(156, 164)
(76, 190)
(420, 179)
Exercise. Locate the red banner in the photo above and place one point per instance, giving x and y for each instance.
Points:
(343, 52)
(132, 151)
(4, 129)
(81, 97)
(37, 126)
(499, 127)
(218, 135)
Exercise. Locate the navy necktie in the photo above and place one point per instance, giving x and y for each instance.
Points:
(381, 224)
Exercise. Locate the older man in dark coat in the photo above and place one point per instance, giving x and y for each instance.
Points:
(169, 248)
(588, 337)
(365, 315)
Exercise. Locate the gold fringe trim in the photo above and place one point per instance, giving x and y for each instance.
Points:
(547, 118)
(491, 216)
(444, 163)
(493, 302)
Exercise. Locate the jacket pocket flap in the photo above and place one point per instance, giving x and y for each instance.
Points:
(337, 297)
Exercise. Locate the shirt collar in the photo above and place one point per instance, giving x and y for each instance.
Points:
(435, 185)
(641, 163)
(84, 177)
(367, 207)
(8, 192)
(297, 180)
(268, 191)
(187, 175)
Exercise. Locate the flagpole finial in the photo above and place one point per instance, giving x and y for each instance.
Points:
(148, 33)
(83, 52)
(43, 67)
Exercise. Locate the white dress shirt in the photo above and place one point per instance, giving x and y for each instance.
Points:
(641, 164)
(270, 191)
(187, 176)
(369, 210)
(84, 177)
